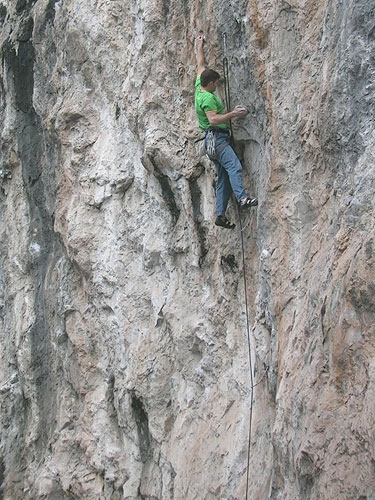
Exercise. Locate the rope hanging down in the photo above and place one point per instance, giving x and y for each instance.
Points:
(250, 362)
(228, 107)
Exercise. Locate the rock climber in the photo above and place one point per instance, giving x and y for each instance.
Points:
(213, 121)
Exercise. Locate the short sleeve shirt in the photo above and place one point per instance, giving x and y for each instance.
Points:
(206, 101)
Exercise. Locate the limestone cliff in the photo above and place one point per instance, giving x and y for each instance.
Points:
(125, 370)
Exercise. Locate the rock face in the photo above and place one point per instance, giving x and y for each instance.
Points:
(127, 317)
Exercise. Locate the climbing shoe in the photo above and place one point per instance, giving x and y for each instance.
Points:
(222, 221)
(248, 202)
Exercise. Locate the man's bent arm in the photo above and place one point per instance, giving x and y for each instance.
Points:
(216, 119)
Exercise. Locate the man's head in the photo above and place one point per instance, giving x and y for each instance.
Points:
(209, 76)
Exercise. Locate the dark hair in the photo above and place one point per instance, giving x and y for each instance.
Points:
(209, 75)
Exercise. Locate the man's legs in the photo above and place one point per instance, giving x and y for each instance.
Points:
(230, 162)
(229, 178)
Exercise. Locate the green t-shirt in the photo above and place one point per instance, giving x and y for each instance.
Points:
(206, 101)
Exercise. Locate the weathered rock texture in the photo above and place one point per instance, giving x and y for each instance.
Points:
(124, 355)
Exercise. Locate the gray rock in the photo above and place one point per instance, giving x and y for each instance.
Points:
(143, 355)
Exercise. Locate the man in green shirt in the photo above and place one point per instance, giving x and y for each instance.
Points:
(213, 119)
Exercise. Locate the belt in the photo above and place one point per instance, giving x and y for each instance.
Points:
(218, 130)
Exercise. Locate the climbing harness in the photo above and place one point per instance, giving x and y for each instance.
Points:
(200, 146)
(210, 143)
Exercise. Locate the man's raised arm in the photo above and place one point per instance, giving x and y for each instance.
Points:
(200, 54)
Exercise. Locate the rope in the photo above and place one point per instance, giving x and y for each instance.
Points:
(249, 355)
(228, 108)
